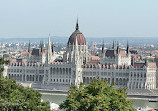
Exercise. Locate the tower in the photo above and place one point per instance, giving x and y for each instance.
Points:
(49, 58)
(77, 64)
(78, 37)
(76, 53)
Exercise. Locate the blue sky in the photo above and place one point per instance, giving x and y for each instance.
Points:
(97, 18)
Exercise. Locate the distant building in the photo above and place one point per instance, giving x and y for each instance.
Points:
(78, 65)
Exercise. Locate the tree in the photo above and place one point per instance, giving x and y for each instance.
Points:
(2, 62)
(96, 96)
(14, 97)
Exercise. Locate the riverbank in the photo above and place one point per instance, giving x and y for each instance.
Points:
(146, 97)
(130, 96)
(137, 102)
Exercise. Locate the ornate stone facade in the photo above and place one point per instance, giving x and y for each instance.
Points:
(79, 66)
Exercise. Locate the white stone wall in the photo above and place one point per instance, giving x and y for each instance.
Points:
(65, 74)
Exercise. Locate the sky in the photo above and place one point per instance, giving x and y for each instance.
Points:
(97, 18)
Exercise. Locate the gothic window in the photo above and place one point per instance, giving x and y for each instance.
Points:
(60, 71)
(51, 70)
(64, 71)
(27, 77)
(33, 77)
(36, 77)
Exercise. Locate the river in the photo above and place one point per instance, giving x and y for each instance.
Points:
(56, 98)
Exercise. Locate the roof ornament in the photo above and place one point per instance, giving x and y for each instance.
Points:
(77, 27)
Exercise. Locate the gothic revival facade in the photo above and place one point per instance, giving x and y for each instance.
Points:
(78, 66)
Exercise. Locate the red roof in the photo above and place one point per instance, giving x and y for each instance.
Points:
(95, 58)
(80, 38)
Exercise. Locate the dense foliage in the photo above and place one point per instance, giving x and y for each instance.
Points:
(97, 96)
(14, 97)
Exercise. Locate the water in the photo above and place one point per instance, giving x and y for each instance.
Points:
(54, 98)
(137, 102)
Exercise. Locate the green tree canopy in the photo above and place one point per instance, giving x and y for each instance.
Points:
(14, 97)
(97, 96)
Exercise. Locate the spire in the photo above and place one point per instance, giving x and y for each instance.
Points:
(53, 48)
(127, 48)
(49, 51)
(29, 47)
(76, 52)
(77, 27)
(41, 46)
(103, 48)
(76, 47)
(117, 47)
(150, 52)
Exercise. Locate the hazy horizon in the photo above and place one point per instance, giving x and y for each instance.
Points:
(104, 18)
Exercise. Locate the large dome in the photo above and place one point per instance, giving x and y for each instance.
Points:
(80, 38)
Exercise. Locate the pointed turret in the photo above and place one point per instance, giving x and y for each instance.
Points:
(117, 47)
(77, 62)
(53, 48)
(29, 47)
(150, 52)
(127, 48)
(41, 46)
(76, 46)
(76, 52)
(49, 51)
(103, 50)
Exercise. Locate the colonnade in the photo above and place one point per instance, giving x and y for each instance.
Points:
(117, 81)
(19, 77)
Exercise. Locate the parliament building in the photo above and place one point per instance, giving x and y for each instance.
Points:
(43, 71)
